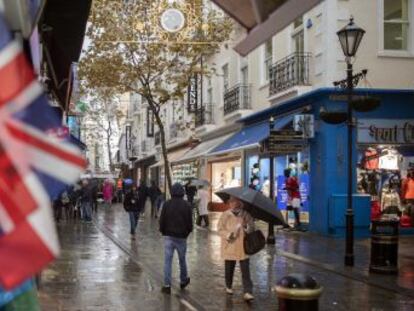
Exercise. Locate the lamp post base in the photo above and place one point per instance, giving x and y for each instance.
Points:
(349, 250)
(271, 235)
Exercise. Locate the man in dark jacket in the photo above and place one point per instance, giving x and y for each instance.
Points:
(131, 205)
(175, 225)
(86, 200)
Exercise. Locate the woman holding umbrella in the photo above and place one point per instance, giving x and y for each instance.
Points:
(232, 227)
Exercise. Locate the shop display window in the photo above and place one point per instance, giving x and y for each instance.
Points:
(388, 177)
(225, 175)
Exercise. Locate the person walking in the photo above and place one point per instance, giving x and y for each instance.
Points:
(119, 190)
(175, 225)
(86, 200)
(202, 206)
(293, 203)
(232, 226)
(142, 196)
(190, 191)
(132, 207)
(108, 191)
(154, 192)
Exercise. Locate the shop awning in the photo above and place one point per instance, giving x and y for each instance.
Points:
(173, 156)
(263, 18)
(63, 26)
(203, 148)
(250, 136)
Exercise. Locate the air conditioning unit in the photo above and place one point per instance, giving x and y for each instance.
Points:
(304, 123)
(22, 15)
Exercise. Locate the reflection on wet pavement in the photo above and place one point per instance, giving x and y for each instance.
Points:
(101, 268)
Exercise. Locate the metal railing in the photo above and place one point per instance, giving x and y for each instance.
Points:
(144, 146)
(290, 71)
(237, 98)
(157, 138)
(204, 115)
(173, 130)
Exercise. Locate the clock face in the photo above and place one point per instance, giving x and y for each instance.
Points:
(172, 20)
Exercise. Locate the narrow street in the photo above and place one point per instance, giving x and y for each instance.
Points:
(101, 268)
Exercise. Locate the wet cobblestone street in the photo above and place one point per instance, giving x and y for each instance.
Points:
(101, 268)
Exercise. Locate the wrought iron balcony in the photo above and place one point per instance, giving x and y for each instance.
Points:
(237, 98)
(288, 72)
(144, 146)
(157, 138)
(204, 115)
(173, 130)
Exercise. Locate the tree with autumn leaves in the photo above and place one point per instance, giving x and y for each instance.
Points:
(130, 51)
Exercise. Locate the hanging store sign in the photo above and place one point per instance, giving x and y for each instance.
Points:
(282, 147)
(285, 135)
(385, 131)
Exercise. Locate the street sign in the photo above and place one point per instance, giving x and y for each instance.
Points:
(275, 147)
(285, 135)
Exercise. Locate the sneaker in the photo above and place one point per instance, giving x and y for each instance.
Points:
(166, 290)
(185, 284)
(248, 297)
(229, 291)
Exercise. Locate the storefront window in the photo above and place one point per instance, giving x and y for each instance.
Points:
(298, 165)
(225, 175)
(387, 175)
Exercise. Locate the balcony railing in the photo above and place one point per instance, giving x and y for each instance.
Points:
(204, 115)
(144, 146)
(173, 130)
(288, 72)
(237, 98)
(157, 138)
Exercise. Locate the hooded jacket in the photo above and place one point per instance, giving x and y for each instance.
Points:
(176, 216)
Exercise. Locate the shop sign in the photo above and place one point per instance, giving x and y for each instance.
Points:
(285, 135)
(385, 131)
(277, 147)
(304, 123)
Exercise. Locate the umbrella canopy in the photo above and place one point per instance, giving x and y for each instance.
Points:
(128, 181)
(258, 205)
(199, 182)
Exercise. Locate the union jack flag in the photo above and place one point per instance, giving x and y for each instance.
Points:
(33, 167)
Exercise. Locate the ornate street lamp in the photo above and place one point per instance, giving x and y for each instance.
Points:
(350, 38)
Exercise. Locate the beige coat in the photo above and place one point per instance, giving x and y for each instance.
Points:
(230, 223)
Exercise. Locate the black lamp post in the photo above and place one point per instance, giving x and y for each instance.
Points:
(350, 37)
(271, 231)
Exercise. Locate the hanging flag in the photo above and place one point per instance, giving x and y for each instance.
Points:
(33, 167)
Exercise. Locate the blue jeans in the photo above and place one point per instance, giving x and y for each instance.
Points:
(133, 221)
(171, 244)
(86, 211)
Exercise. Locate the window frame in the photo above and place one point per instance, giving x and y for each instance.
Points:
(267, 62)
(409, 52)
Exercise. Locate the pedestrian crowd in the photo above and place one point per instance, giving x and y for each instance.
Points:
(188, 205)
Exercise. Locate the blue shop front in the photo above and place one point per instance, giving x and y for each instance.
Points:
(383, 159)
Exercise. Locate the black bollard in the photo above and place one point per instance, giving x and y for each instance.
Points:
(384, 247)
(298, 292)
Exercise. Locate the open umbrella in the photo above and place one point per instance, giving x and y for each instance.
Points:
(199, 182)
(258, 205)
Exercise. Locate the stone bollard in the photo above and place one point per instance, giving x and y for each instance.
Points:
(298, 292)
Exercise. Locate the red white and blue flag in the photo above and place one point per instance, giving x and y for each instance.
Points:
(33, 167)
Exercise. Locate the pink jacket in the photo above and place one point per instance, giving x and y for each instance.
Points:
(107, 192)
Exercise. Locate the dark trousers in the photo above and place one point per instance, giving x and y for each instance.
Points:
(200, 218)
(297, 216)
(229, 266)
